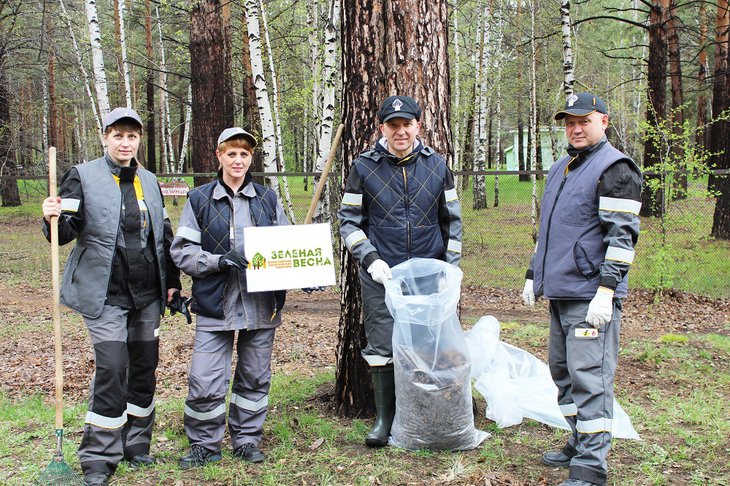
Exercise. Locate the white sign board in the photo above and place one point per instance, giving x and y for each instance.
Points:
(288, 257)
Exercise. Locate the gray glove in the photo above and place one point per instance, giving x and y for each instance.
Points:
(232, 259)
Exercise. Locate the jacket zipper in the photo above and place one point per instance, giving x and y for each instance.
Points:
(406, 200)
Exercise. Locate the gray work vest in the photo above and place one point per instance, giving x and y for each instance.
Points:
(570, 247)
(87, 271)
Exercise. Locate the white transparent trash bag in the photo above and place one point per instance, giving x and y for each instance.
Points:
(430, 359)
(518, 385)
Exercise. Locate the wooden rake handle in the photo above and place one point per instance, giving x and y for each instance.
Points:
(323, 177)
(55, 270)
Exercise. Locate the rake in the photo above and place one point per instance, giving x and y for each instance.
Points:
(57, 472)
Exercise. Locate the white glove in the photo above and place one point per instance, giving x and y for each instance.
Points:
(600, 310)
(380, 271)
(528, 294)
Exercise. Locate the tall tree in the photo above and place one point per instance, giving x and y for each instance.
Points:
(677, 112)
(720, 135)
(100, 84)
(702, 115)
(653, 203)
(568, 76)
(211, 83)
(151, 160)
(377, 62)
(8, 169)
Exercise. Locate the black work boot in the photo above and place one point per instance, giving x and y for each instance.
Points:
(384, 387)
(559, 458)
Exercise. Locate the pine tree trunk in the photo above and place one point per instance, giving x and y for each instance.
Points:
(211, 83)
(411, 60)
(720, 136)
(151, 161)
(702, 115)
(8, 169)
(653, 203)
(677, 114)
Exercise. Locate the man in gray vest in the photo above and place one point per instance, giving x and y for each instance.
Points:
(119, 277)
(589, 225)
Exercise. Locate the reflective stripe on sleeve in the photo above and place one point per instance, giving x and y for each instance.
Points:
(451, 195)
(454, 246)
(619, 205)
(70, 205)
(569, 410)
(165, 214)
(216, 412)
(105, 422)
(189, 234)
(352, 199)
(247, 404)
(620, 255)
(142, 205)
(137, 411)
(594, 426)
(355, 238)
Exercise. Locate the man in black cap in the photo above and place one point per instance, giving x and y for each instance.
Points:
(119, 277)
(589, 225)
(399, 203)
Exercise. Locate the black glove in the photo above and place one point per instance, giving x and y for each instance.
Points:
(232, 259)
(309, 290)
(180, 304)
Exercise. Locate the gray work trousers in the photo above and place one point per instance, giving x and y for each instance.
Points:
(210, 373)
(377, 320)
(582, 367)
(121, 405)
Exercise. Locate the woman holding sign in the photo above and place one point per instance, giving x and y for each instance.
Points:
(209, 247)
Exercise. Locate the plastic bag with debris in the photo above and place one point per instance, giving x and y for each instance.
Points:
(430, 359)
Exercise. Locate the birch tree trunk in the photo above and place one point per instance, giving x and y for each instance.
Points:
(312, 114)
(569, 78)
(249, 109)
(281, 164)
(327, 107)
(167, 147)
(211, 83)
(100, 84)
(457, 92)
(376, 62)
(533, 120)
(186, 130)
(123, 48)
(479, 188)
(262, 95)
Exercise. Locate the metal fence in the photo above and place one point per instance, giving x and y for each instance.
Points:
(675, 252)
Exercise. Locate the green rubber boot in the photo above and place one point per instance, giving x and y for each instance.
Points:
(384, 386)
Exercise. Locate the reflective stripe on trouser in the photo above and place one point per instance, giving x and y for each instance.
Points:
(378, 322)
(210, 373)
(250, 394)
(583, 370)
(121, 404)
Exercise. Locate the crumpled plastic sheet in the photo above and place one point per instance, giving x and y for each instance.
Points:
(517, 385)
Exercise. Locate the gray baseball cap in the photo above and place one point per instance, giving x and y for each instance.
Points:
(118, 114)
(230, 133)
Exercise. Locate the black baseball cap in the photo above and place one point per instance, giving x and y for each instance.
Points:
(582, 104)
(399, 107)
(233, 132)
(118, 114)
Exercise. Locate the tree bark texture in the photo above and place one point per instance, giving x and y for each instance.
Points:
(8, 170)
(720, 131)
(677, 114)
(378, 60)
(569, 77)
(100, 85)
(652, 202)
(151, 162)
(211, 83)
(702, 114)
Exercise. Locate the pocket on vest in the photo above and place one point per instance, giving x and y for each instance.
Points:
(584, 263)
